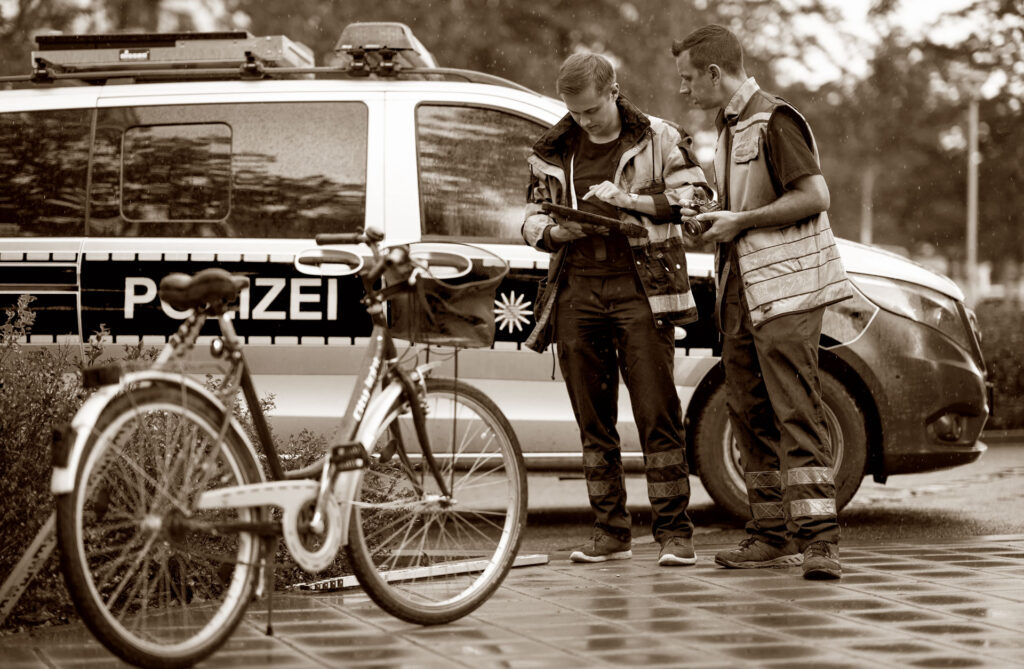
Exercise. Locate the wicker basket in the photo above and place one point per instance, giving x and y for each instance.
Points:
(455, 311)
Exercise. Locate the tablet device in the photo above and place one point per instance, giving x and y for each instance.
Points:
(570, 214)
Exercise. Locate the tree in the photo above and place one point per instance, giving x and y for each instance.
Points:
(18, 27)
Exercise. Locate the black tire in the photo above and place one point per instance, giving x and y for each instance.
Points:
(156, 591)
(419, 558)
(717, 458)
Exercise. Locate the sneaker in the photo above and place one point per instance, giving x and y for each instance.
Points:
(753, 553)
(602, 547)
(821, 561)
(677, 551)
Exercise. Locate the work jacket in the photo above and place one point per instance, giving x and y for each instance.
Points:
(657, 162)
(783, 269)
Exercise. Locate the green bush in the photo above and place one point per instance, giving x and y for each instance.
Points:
(1002, 343)
(40, 388)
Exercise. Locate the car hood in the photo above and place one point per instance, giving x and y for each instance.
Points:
(873, 261)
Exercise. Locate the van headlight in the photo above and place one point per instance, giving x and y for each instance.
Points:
(917, 303)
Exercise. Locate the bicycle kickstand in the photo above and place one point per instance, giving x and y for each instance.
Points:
(269, 549)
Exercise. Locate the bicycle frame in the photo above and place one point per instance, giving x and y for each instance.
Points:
(367, 408)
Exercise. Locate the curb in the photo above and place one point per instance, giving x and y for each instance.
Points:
(1001, 436)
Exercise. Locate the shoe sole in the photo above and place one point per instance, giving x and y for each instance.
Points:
(676, 561)
(580, 556)
(794, 560)
(823, 573)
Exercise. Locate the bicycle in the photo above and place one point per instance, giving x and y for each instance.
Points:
(167, 523)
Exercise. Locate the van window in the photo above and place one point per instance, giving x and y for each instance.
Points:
(229, 170)
(473, 173)
(44, 157)
(176, 172)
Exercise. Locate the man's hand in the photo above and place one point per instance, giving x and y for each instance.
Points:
(608, 192)
(725, 225)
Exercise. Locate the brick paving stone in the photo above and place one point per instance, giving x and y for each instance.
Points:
(957, 604)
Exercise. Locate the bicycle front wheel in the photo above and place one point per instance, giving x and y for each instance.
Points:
(428, 558)
(157, 581)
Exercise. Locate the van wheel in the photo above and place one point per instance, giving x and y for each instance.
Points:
(718, 459)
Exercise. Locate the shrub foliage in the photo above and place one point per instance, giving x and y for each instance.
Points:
(1002, 343)
(41, 389)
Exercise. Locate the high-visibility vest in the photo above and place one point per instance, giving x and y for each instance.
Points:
(783, 269)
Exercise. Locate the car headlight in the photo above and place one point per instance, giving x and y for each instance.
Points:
(916, 303)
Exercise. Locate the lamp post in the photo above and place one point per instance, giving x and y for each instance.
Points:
(973, 159)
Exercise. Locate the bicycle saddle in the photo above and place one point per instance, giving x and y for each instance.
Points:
(208, 286)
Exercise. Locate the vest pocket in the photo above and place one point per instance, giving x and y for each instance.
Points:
(746, 147)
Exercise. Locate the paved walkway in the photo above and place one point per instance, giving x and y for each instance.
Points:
(898, 605)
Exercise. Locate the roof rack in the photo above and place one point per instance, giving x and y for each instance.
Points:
(385, 50)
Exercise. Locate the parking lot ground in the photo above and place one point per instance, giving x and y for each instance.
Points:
(948, 604)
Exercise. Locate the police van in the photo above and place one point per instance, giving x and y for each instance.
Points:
(126, 157)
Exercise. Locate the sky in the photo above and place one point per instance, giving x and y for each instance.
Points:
(915, 16)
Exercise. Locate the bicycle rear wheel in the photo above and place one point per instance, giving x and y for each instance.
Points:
(147, 575)
(424, 558)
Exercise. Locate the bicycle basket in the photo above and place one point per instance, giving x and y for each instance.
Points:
(449, 311)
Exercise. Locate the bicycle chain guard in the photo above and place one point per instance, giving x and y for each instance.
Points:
(295, 499)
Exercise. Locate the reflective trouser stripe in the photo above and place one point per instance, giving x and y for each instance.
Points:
(812, 508)
(809, 476)
(675, 488)
(665, 458)
(768, 511)
(600, 488)
(769, 479)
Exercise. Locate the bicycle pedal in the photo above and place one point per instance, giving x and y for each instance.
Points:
(346, 457)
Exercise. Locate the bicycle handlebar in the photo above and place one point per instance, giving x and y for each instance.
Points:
(370, 236)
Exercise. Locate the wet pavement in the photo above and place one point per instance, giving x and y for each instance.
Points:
(908, 605)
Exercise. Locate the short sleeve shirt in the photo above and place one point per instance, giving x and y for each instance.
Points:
(790, 155)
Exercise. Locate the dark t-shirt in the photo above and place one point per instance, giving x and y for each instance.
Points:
(789, 153)
(597, 254)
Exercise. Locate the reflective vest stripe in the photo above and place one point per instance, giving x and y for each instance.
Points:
(799, 283)
(760, 117)
(787, 247)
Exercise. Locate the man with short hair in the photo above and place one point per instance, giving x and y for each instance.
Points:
(778, 267)
(611, 302)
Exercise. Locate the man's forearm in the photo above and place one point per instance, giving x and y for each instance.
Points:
(794, 205)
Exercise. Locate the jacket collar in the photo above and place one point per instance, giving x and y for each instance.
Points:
(560, 139)
(737, 103)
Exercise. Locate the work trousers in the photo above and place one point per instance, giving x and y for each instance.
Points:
(774, 403)
(604, 326)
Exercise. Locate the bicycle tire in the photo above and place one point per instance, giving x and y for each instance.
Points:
(152, 590)
(420, 559)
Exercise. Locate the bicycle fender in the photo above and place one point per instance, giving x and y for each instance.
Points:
(62, 480)
(347, 483)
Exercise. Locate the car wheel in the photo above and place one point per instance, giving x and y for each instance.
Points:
(718, 459)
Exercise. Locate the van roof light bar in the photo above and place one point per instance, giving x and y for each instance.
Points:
(382, 48)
